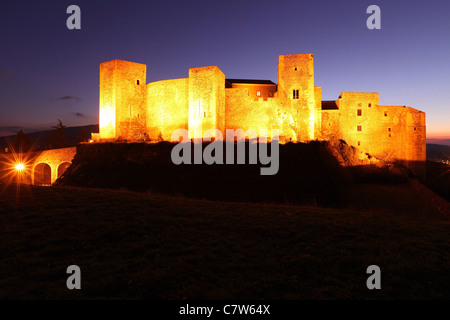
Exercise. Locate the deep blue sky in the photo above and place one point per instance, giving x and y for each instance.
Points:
(48, 72)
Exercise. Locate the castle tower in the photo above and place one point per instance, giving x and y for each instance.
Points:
(122, 100)
(296, 87)
(206, 101)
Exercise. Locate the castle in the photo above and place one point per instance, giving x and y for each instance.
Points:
(131, 109)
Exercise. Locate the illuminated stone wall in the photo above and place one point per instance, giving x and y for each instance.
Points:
(245, 112)
(133, 110)
(167, 108)
(54, 158)
(107, 101)
(57, 159)
(265, 90)
(317, 112)
(296, 90)
(347, 125)
(206, 100)
(389, 133)
(122, 100)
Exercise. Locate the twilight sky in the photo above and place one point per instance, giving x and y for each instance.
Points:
(48, 72)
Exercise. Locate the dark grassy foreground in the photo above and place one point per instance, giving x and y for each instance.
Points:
(141, 245)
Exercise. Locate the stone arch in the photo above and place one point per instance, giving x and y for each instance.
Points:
(42, 174)
(62, 168)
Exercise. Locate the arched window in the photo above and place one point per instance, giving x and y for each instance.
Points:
(42, 174)
(62, 168)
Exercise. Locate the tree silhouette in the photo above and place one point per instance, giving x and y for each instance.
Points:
(84, 137)
(58, 136)
(22, 143)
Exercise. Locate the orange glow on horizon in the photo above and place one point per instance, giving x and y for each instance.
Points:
(438, 135)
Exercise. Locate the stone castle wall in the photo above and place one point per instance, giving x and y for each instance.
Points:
(167, 108)
(206, 101)
(133, 110)
(387, 132)
(122, 99)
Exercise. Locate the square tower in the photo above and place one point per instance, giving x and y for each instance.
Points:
(206, 101)
(122, 100)
(296, 88)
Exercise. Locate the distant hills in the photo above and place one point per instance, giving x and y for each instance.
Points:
(41, 138)
(438, 152)
(445, 142)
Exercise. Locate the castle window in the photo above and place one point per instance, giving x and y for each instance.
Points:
(370, 105)
(359, 112)
(258, 93)
(359, 128)
(414, 128)
(389, 129)
(295, 94)
(270, 94)
(389, 135)
(137, 82)
(295, 68)
(385, 114)
(359, 143)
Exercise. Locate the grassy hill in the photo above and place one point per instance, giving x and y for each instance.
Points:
(184, 236)
(153, 246)
(438, 178)
(309, 173)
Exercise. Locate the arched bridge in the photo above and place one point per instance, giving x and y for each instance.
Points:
(38, 168)
(49, 165)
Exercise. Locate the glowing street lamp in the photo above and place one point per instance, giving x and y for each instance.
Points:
(19, 167)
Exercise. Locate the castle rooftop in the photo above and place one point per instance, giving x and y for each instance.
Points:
(228, 82)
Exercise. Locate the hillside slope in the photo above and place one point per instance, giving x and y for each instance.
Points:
(308, 173)
(146, 246)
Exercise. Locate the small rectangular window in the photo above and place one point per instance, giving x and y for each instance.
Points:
(385, 114)
(295, 94)
(137, 82)
(359, 128)
(359, 112)
(258, 93)
(359, 143)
